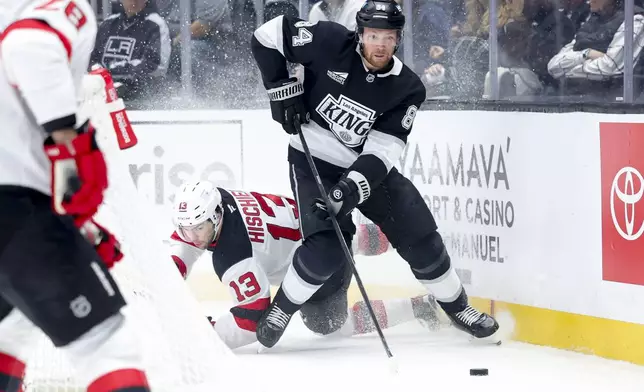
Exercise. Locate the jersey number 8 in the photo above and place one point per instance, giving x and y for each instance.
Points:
(410, 115)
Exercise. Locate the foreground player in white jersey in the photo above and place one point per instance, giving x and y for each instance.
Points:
(253, 238)
(52, 179)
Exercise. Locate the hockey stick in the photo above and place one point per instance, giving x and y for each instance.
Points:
(343, 243)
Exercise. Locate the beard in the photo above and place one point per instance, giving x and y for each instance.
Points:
(378, 59)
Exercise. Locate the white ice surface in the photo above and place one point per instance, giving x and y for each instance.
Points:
(426, 361)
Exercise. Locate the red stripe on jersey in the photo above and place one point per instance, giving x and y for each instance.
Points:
(180, 265)
(119, 379)
(11, 366)
(251, 325)
(35, 24)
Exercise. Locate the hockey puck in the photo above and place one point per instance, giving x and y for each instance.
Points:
(478, 372)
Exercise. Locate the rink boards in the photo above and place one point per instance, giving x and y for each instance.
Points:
(541, 212)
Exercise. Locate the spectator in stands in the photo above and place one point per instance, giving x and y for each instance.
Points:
(526, 46)
(134, 44)
(592, 64)
(339, 11)
(210, 33)
(431, 25)
(473, 24)
(460, 71)
(275, 8)
(456, 13)
(577, 11)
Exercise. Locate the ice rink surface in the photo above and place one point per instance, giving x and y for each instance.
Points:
(426, 361)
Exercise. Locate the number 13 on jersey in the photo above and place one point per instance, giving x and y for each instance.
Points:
(276, 230)
(277, 215)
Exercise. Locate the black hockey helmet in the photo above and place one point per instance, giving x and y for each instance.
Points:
(380, 14)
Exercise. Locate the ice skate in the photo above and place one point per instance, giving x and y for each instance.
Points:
(477, 324)
(272, 325)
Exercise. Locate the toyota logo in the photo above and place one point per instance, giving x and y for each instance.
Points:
(629, 196)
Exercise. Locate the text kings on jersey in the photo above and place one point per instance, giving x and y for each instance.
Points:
(352, 108)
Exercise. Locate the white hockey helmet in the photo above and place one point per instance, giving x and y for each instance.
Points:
(195, 203)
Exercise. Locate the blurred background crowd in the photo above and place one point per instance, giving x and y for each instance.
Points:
(195, 53)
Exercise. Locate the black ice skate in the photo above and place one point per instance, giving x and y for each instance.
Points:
(425, 310)
(271, 325)
(477, 324)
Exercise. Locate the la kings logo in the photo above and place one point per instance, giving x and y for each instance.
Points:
(349, 120)
(119, 48)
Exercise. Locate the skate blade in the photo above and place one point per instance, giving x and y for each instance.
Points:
(492, 340)
(495, 339)
(263, 349)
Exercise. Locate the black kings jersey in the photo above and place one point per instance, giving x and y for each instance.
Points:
(255, 247)
(353, 110)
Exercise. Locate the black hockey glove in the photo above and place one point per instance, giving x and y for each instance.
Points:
(344, 196)
(287, 104)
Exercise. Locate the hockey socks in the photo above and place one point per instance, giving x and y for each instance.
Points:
(390, 313)
(451, 296)
(447, 290)
(12, 372)
(122, 380)
(298, 286)
(387, 316)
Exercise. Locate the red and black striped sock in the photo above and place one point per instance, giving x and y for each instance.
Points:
(12, 373)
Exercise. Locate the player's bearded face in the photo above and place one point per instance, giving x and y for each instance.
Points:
(201, 235)
(378, 46)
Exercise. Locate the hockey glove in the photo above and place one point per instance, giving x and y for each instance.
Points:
(106, 245)
(344, 196)
(287, 104)
(78, 175)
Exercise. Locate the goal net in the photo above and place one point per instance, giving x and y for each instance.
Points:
(182, 353)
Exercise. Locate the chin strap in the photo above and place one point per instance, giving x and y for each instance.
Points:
(215, 234)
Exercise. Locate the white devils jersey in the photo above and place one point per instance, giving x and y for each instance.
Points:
(44, 54)
(254, 249)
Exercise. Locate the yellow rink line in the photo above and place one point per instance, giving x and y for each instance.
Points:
(590, 335)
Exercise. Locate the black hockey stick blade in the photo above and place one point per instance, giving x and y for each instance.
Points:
(343, 243)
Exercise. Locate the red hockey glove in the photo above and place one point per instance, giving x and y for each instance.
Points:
(212, 321)
(107, 246)
(78, 176)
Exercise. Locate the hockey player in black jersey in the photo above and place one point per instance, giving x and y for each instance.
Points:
(357, 104)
